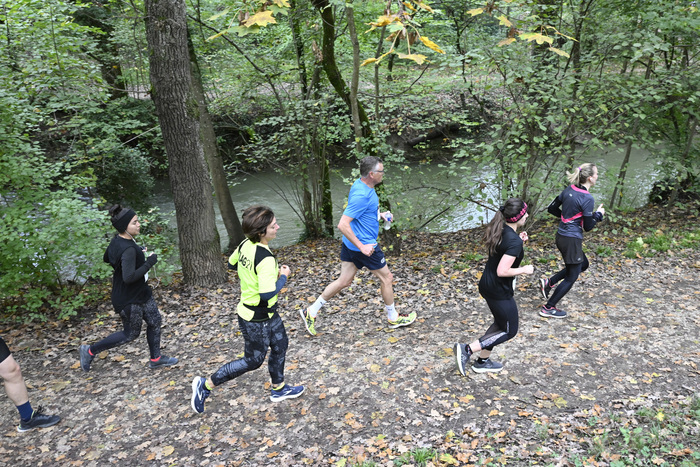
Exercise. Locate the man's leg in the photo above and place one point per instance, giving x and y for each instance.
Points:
(386, 279)
(347, 274)
(14, 382)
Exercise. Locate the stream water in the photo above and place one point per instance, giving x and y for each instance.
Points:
(264, 188)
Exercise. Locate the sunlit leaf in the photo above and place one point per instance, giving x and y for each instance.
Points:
(384, 20)
(418, 58)
(503, 21)
(510, 40)
(220, 14)
(369, 60)
(261, 19)
(537, 37)
(559, 52)
(282, 3)
(220, 33)
(431, 44)
(409, 6)
(476, 11)
(425, 6)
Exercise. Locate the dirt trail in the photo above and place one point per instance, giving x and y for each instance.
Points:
(372, 393)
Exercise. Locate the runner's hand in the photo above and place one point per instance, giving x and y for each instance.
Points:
(601, 209)
(368, 250)
(284, 270)
(529, 269)
(523, 236)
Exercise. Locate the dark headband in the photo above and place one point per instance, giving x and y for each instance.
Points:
(121, 220)
(518, 216)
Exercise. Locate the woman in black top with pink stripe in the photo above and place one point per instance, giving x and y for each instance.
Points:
(574, 206)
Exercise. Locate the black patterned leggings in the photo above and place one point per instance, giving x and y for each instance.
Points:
(258, 335)
(132, 317)
(505, 323)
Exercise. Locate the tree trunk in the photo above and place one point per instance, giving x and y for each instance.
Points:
(355, 81)
(98, 14)
(691, 125)
(213, 158)
(331, 67)
(178, 114)
(298, 47)
(620, 184)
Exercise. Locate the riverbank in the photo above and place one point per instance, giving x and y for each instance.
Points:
(624, 361)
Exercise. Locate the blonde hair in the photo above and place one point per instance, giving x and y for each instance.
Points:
(581, 173)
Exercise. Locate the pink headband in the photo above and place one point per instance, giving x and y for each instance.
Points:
(519, 215)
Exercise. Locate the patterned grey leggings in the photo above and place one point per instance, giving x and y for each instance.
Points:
(258, 335)
(132, 317)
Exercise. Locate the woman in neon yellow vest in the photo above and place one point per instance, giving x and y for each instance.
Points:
(261, 281)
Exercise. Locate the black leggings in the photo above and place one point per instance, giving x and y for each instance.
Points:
(505, 323)
(569, 275)
(132, 316)
(259, 336)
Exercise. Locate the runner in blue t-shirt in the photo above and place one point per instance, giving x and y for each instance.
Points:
(360, 227)
(574, 206)
(505, 247)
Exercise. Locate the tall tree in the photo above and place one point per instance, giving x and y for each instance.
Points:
(178, 114)
(213, 157)
(330, 65)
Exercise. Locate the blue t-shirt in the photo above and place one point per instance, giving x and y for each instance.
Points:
(363, 207)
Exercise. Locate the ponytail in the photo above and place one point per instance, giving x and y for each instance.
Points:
(581, 173)
(494, 232)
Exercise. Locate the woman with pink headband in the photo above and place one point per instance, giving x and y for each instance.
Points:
(505, 247)
(574, 206)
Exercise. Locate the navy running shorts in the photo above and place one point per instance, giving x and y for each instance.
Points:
(374, 262)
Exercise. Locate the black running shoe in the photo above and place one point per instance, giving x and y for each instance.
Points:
(487, 366)
(38, 420)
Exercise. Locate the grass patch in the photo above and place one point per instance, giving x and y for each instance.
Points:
(660, 242)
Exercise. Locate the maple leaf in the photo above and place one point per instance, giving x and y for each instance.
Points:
(430, 44)
(537, 37)
(559, 52)
(476, 11)
(261, 19)
(510, 40)
(503, 21)
(418, 58)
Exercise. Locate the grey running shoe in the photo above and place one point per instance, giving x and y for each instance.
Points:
(287, 392)
(163, 361)
(552, 312)
(461, 358)
(85, 357)
(199, 393)
(38, 420)
(487, 366)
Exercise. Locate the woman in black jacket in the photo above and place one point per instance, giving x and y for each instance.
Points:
(131, 295)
